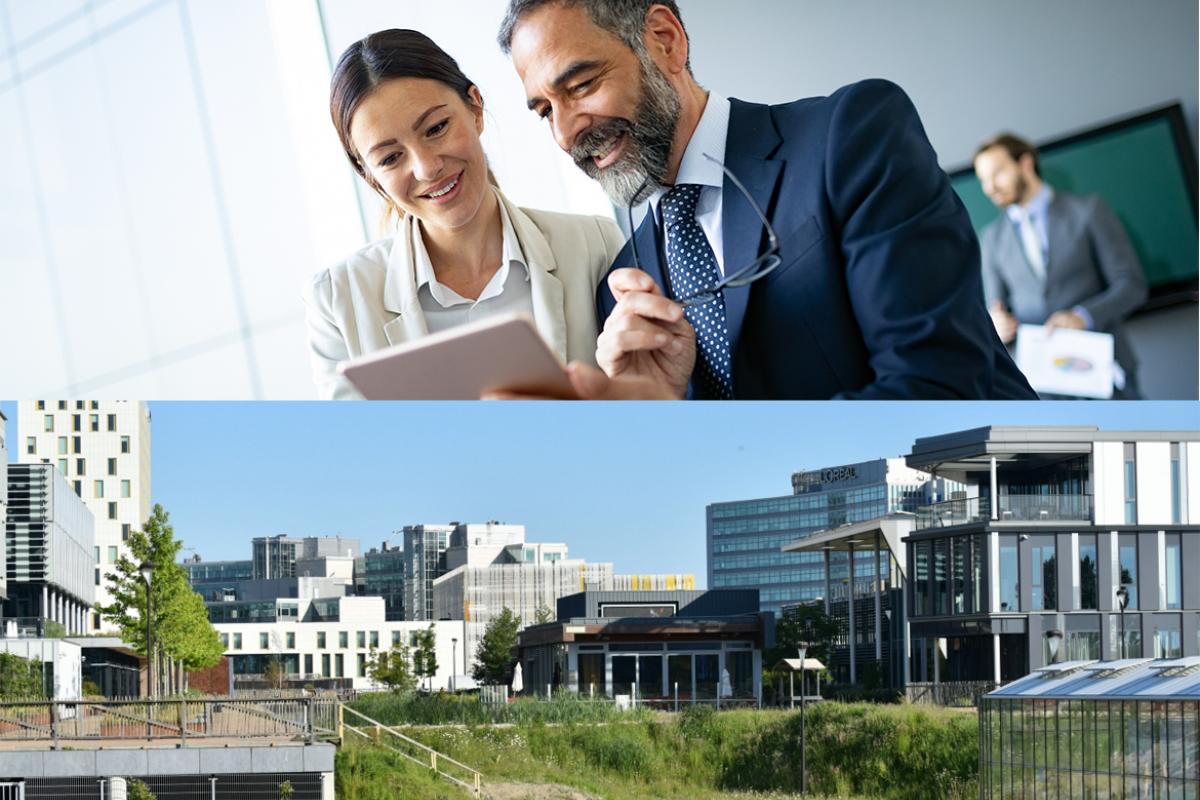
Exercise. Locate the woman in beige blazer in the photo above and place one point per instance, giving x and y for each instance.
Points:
(409, 121)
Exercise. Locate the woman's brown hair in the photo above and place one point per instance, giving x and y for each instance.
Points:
(382, 57)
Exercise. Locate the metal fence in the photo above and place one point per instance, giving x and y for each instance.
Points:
(251, 786)
(396, 742)
(963, 694)
(181, 719)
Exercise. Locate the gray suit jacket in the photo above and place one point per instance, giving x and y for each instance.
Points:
(1091, 264)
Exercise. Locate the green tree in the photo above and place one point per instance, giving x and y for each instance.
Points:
(804, 623)
(424, 655)
(274, 673)
(181, 630)
(136, 790)
(393, 668)
(542, 615)
(494, 657)
(20, 678)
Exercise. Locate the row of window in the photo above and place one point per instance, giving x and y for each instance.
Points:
(79, 405)
(93, 423)
(343, 638)
(793, 503)
(76, 447)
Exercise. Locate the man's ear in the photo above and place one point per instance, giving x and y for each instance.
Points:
(666, 40)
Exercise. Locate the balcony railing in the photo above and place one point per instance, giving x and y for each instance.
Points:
(1011, 508)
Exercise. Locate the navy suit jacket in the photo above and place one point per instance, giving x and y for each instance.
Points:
(878, 295)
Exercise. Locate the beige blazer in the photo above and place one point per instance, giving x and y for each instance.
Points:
(369, 301)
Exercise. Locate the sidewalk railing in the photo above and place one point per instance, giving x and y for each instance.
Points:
(393, 740)
(181, 719)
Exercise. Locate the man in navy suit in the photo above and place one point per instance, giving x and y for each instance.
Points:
(874, 291)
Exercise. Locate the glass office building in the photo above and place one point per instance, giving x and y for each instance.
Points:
(745, 536)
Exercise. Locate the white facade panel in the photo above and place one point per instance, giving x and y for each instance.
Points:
(1153, 483)
(1192, 480)
(1109, 483)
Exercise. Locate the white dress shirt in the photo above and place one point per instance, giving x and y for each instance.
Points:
(507, 292)
(709, 138)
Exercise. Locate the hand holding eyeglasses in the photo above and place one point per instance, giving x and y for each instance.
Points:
(646, 337)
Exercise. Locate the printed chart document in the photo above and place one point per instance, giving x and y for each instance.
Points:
(1067, 362)
(499, 354)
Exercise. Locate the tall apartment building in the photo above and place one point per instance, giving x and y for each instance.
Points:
(1055, 526)
(745, 537)
(49, 551)
(102, 449)
(3, 496)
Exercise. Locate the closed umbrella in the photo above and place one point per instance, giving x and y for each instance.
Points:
(518, 682)
(726, 684)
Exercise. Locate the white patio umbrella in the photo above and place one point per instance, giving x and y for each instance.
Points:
(726, 684)
(518, 682)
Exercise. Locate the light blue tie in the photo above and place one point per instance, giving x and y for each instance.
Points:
(693, 268)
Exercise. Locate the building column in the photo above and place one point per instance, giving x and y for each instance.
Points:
(995, 503)
(878, 605)
(996, 658)
(827, 581)
(853, 663)
(44, 610)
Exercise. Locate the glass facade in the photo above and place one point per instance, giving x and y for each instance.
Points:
(1044, 575)
(1089, 579)
(1010, 596)
(746, 536)
(1089, 749)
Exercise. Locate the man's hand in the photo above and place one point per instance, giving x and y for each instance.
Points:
(1006, 323)
(1065, 319)
(647, 343)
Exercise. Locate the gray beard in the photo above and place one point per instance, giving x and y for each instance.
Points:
(648, 142)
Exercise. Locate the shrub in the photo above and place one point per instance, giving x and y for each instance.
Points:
(136, 790)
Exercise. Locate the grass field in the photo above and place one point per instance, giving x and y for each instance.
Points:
(854, 750)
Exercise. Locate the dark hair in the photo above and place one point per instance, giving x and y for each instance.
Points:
(625, 19)
(382, 57)
(1015, 146)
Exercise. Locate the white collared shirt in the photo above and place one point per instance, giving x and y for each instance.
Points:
(709, 137)
(508, 291)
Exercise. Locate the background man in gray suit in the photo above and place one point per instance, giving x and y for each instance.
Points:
(1054, 258)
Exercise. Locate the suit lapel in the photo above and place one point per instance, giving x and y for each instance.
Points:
(549, 310)
(400, 291)
(649, 250)
(1058, 245)
(752, 139)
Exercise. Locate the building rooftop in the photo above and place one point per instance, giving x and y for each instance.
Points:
(1125, 679)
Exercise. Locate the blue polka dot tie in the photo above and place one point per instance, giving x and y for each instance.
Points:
(693, 268)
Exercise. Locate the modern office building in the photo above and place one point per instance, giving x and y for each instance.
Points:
(217, 580)
(424, 561)
(745, 537)
(3, 496)
(380, 573)
(1055, 527)
(657, 647)
(50, 552)
(102, 449)
(331, 638)
(281, 556)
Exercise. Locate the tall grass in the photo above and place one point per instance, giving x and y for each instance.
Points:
(446, 709)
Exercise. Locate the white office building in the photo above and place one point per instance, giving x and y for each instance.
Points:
(3, 494)
(333, 637)
(102, 449)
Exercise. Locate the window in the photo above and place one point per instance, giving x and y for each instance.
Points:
(112, 466)
(224, 641)
(339, 665)
(374, 639)
(1128, 566)
(31, 445)
(112, 422)
(325, 664)
(941, 589)
(343, 639)
(76, 444)
(97, 576)
(320, 640)
(97, 555)
(124, 531)
(80, 466)
(77, 422)
(112, 509)
(1167, 642)
(95, 404)
(48, 422)
(362, 665)
(62, 405)
(1174, 568)
(1089, 580)
(78, 405)
(958, 577)
(1044, 575)
(291, 641)
(1130, 483)
(1010, 595)
(124, 444)
(264, 641)
(94, 423)
(79, 488)
(41, 405)
(62, 466)
(237, 641)
(112, 554)
(361, 639)
(396, 638)
(1176, 486)
(62, 445)
(98, 489)
(125, 489)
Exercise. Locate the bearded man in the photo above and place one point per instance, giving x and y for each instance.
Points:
(803, 251)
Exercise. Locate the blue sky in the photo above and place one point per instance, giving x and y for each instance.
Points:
(626, 483)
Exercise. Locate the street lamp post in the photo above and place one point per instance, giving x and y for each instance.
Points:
(453, 662)
(147, 570)
(802, 649)
(1122, 602)
(1054, 638)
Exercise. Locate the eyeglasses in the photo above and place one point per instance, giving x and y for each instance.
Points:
(760, 268)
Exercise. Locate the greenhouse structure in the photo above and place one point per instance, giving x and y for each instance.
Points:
(1094, 729)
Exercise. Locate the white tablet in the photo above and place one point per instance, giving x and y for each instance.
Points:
(503, 353)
